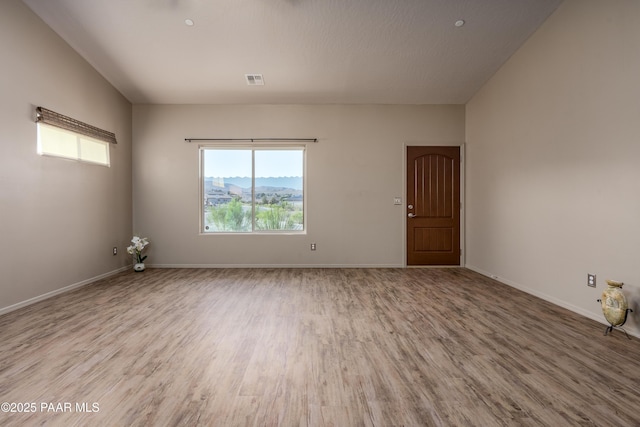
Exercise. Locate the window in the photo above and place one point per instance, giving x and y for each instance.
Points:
(54, 141)
(252, 189)
(63, 136)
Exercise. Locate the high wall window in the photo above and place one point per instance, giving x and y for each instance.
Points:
(64, 136)
(252, 189)
(54, 141)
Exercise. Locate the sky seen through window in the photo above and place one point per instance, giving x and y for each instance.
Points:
(269, 163)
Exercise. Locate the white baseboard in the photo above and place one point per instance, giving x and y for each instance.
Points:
(579, 310)
(275, 265)
(42, 297)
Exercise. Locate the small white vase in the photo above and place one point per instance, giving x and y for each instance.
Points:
(138, 267)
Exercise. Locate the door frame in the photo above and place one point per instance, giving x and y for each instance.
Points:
(463, 204)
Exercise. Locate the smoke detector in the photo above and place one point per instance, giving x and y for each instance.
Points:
(254, 79)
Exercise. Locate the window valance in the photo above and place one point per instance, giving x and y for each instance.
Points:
(56, 119)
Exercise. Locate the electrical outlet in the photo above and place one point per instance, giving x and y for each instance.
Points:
(313, 246)
(591, 280)
(115, 250)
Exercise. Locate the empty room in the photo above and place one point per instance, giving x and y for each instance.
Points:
(320, 213)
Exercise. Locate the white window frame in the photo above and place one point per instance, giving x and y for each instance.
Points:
(253, 147)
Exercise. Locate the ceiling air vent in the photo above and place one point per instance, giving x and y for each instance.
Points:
(254, 79)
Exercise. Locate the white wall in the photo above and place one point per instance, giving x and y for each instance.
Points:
(553, 152)
(58, 219)
(353, 174)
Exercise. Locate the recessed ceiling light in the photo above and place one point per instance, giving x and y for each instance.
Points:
(189, 22)
(459, 23)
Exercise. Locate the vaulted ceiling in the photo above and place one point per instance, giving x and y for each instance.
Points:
(308, 51)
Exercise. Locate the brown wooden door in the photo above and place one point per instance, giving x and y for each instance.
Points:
(433, 205)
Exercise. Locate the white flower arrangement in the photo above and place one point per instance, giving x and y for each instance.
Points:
(139, 243)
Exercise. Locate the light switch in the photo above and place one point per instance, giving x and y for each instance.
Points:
(397, 200)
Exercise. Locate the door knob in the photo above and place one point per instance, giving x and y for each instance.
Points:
(412, 215)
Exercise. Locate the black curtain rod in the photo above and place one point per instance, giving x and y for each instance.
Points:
(253, 139)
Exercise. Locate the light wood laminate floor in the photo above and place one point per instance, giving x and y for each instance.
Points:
(312, 347)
